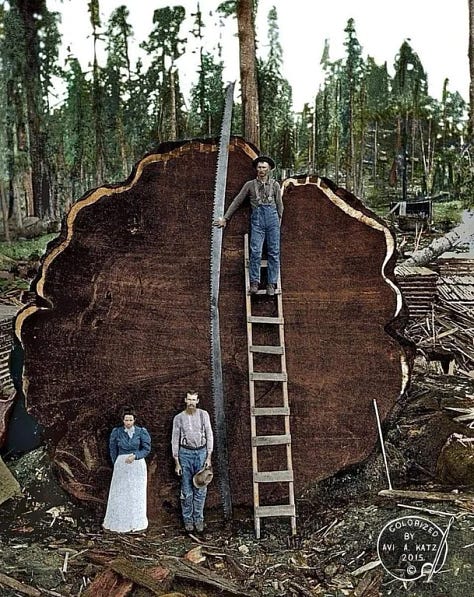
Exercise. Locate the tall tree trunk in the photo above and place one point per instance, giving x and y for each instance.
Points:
(471, 68)
(3, 199)
(405, 157)
(376, 152)
(36, 136)
(248, 71)
(173, 117)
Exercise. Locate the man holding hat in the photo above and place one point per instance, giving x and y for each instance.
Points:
(267, 210)
(192, 443)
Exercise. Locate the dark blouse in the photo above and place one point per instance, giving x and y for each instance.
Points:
(120, 443)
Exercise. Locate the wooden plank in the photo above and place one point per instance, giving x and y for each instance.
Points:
(267, 376)
(263, 291)
(270, 411)
(281, 510)
(267, 349)
(269, 320)
(433, 496)
(273, 477)
(271, 440)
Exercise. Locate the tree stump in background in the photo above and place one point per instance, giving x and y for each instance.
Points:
(122, 317)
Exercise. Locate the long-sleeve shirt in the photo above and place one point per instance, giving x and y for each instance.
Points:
(120, 443)
(192, 431)
(259, 193)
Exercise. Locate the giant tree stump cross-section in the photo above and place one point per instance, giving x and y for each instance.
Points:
(122, 317)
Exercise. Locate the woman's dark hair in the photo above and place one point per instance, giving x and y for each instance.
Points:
(127, 410)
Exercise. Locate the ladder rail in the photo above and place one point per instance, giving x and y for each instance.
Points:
(285, 476)
(289, 457)
(253, 423)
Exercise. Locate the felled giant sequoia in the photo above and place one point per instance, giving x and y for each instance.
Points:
(122, 317)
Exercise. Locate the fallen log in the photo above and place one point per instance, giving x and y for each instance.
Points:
(433, 496)
(16, 585)
(188, 572)
(141, 577)
(439, 246)
(177, 568)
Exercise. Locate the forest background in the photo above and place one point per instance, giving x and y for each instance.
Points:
(379, 135)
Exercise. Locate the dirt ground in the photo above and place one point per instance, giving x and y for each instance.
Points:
(57, 547)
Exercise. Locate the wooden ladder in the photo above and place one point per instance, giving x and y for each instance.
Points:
(258, 441)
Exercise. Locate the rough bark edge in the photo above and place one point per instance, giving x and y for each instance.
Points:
(163, 153)
(354, 208)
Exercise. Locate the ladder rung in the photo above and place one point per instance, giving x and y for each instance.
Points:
(273, 477)
(267, 349)
(282, 510)
(271, 440)
(256, 319)
(263, 291)
(271, 411)
(260, 376)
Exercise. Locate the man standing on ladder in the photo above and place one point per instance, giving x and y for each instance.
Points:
(267, 210)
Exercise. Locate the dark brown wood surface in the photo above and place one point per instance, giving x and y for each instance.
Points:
(124, 319)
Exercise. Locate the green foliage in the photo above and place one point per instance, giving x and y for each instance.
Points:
(26, 249)
(164, 46)
(449, 212)
(410, 84)
(365, 130)
(207, 99)
(275, 99)
(228, 8)
(94, 13)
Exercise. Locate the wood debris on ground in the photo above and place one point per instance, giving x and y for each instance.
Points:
(446, 335)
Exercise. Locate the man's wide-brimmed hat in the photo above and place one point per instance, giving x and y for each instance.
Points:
(264, 158)
(203, 477)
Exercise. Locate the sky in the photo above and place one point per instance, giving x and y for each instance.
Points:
(437, 31)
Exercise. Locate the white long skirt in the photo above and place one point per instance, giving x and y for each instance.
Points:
(126, 506)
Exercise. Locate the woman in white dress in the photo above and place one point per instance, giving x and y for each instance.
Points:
(126, 506)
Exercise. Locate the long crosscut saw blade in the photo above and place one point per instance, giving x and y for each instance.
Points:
(220, 426)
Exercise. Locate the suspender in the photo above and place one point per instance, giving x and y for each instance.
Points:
(270, 200)
(183, 442)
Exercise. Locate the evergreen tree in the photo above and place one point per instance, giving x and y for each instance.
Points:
(353, 97)
(410, 94)
(377, 86)
(275, 94)
(207, 95)
(78, 141)
(97, 94)
(31, 42)
(207, 98)
(330, 123)
(117, 81)
(164, 47)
